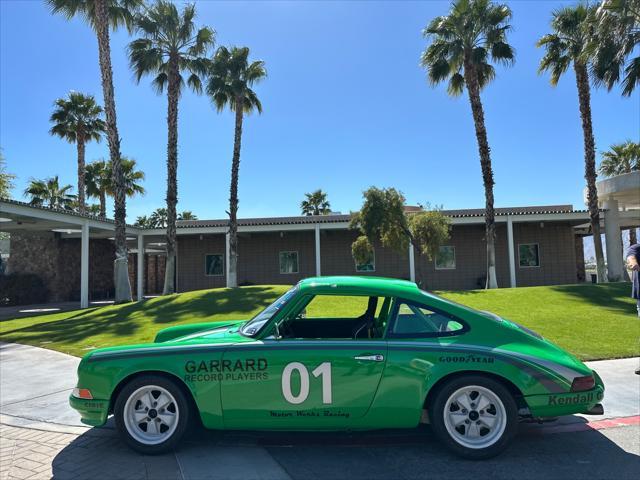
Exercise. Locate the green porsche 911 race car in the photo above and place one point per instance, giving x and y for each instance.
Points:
(393, 356)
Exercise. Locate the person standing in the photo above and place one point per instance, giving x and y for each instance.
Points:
(633, 262)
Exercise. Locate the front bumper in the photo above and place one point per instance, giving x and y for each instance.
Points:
(557, 404)
(92, 412)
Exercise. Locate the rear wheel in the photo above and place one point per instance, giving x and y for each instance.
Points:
(151, 414)
(474, 416)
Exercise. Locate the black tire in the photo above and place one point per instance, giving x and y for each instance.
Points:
(182, 404)
(500, 442)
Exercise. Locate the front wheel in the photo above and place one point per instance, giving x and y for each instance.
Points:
(151, 414)
(474, 416)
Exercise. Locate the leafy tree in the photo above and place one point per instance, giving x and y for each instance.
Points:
(76, 119)
(231, 77)
(99, 180)
(621, 158)
(102, 15)
(49, 193)
(187, 215)
(564, 47)
(315, 203)
(383, 218)
(463, 45)
(169, 45)
(6, 179)
(616, 37)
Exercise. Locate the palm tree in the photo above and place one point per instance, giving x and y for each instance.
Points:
(616, 37)
(101, 15)
(159, 218)
(77, 120)
(187, 215)
(96, 183)
(621, 158)
(231, 77)
(316, 203)
(169, 45)
(99, 180)
(143, 221)
(564, 47)
(463, 43)
(48, 193)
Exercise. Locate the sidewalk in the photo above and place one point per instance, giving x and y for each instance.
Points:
(41, 436)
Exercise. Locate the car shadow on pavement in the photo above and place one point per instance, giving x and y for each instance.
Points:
(413, 454)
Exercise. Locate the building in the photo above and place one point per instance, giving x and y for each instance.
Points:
(73, 253)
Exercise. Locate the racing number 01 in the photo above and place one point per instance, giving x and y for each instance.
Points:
(324, 370)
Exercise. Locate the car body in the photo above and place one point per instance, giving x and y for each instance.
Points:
(387, 368)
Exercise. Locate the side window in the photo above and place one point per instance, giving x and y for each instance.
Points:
(338, 316)
(414, 320)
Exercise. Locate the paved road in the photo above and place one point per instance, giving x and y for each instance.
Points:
(40, 436)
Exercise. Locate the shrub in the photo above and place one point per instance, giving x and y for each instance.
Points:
(22, 289)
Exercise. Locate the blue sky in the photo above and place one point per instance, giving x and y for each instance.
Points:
(346, 106)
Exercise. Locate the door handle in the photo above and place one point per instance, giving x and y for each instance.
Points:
(369, 358)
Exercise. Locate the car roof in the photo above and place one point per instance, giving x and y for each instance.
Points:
(359, 285)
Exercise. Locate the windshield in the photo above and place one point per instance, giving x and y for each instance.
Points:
(254, 325)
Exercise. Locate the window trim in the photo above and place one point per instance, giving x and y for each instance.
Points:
(366, 271)
(435, 260)
(538, 250)
(205, 265)
(393, 314)
(297, 262)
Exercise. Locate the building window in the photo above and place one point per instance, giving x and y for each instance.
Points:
(370, 266)
(213, 265)
(288, 262)
(446, 258)
(528, 255)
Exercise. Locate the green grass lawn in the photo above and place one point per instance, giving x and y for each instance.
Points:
(591, 321)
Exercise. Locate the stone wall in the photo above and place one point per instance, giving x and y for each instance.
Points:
(57, 261)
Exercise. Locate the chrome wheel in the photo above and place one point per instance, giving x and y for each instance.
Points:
(151, 414)
(475, 417)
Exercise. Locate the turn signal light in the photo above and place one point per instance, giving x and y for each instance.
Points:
(580, 384)
(84, 393)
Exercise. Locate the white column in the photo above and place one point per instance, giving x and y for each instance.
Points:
(84, 266)
(226, 257)
(512, 261)
(613, 239)
(412, 263)
(140, 275)
(318, 262)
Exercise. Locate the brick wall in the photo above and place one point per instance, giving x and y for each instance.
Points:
(336, 258)
(258, 257)
(192, 250)
(470, 261)
(556, 247)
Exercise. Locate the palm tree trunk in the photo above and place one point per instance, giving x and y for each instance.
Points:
(473, 88)
(172, 175)
(103, 204)
(584, 95)
(121, 267)
(82, 207)
(232, 277)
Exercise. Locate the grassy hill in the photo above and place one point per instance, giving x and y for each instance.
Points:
(591, 321)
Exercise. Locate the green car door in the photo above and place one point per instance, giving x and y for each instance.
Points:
(314, 372)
